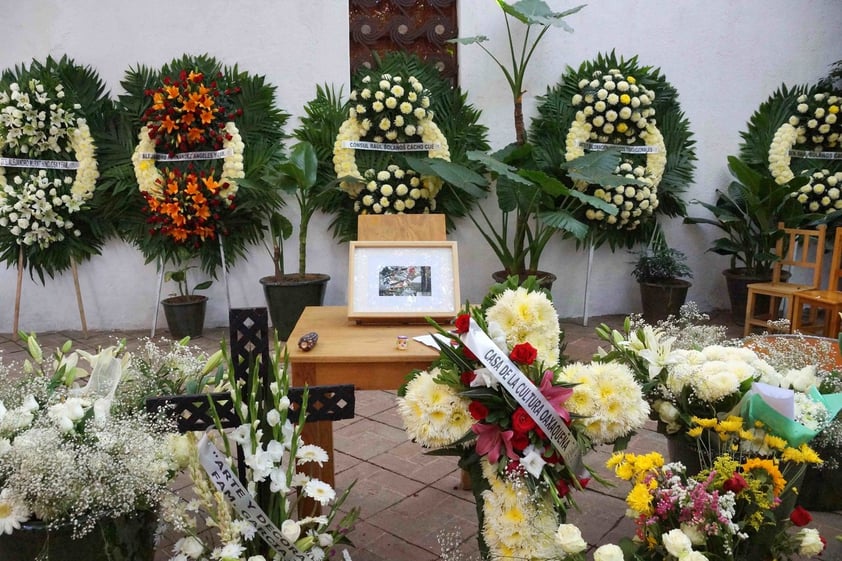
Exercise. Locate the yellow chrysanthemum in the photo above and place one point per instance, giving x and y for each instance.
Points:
(639, 499)
(730, 425)
(775, 442)
(704, 423)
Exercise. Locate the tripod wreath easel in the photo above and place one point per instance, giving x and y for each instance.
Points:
(19, 289)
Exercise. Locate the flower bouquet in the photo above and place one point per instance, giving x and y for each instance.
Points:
(51, 115)
(498, 398)
(190, 186)
(738, 507)
(73, 462)
(276, 513)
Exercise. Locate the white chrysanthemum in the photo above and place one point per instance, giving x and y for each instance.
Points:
(526, 316)
(433, 414)
(608, 399)
(517, 524)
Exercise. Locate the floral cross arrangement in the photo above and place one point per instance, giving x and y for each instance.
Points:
(740, 506)
(268, 516)
(498, 398)
(389, 113)
(48, 164)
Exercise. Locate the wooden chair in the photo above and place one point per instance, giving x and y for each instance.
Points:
(817, 311)
(799, 249)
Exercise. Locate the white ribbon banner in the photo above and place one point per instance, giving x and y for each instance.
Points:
(525, 393)
(40, 164)
(206, 155)
(623, 148)
(809, 154)
(391, 147)
(229, 485)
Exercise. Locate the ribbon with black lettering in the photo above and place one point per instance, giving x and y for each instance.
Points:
(529, 397)
(229, 485)
(811, 155)
(624, 148)
(391, 146)
(188, 156)
(39, 164)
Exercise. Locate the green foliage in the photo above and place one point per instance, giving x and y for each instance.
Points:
(179, 276)
(748, 213)
(457, 119)
(657, 262)
(82, 85)
(548, 132)
(261, 127)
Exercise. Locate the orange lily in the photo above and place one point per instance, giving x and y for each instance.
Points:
(168, 124)
(172, 91)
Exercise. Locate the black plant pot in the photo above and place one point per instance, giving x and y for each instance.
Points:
(545, 279)
(288, 295)
(185, 315)
(662, 299)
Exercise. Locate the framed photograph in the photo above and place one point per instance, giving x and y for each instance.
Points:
(403, 281)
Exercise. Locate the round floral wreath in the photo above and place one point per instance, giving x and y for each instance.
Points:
(190, 187)
(797, 132)
(329, 122)
(615, 102)
(384, 110)
(45, 210)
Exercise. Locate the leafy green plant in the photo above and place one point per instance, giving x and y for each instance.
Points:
(533, 14)
(658, 262)
(179, 276)
(297, 175)
(748, 213)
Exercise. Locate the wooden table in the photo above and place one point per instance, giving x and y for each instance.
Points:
(347, 353)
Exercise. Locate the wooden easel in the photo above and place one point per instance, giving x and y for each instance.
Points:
(79, 303)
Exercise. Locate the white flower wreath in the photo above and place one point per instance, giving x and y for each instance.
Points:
(345, 163)
(151, 181)
(34, 207)
(633, 203)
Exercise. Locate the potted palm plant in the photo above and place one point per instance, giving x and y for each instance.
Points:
(287, 294)
(748, 213)
(660, 271)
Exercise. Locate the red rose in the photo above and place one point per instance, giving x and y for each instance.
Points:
(584, 481)
(524, 353)
(521, 421)
(466, 352)
(520, 441)
(477, 410)
(800, 516)
(735, 484)
(562, 487)
(467, 377)
(462, 323)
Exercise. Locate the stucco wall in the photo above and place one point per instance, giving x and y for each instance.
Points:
(724, 58)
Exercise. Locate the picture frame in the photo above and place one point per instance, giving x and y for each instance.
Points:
(403, 281)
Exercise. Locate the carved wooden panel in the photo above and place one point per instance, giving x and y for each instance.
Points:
(417, 26)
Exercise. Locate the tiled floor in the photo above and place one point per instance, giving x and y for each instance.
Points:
(408, 498)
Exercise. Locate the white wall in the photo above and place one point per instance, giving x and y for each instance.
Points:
(724, 58)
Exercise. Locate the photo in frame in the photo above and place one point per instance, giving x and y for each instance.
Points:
(403, 281)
